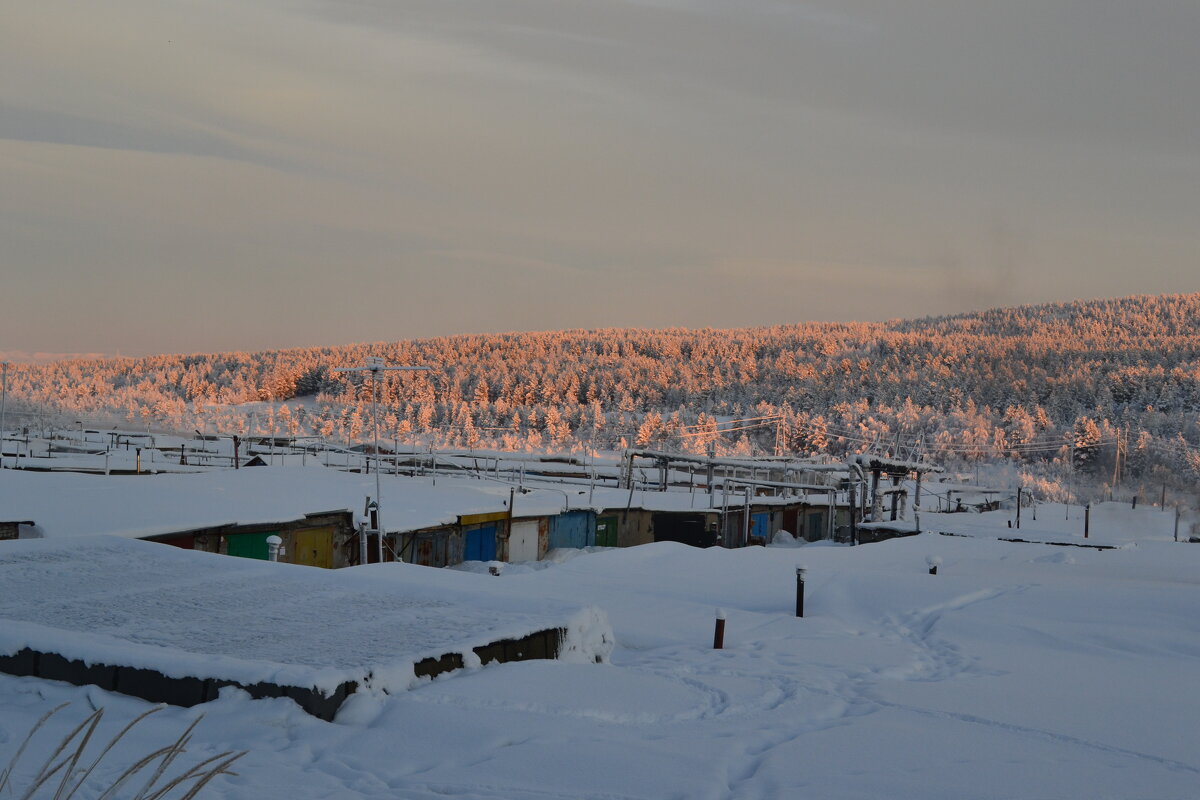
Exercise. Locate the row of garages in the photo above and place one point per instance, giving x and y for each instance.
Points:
(330, 539)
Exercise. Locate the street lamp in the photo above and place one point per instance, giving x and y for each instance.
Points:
(376, 365)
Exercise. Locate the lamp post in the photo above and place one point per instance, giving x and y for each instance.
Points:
(376, 365)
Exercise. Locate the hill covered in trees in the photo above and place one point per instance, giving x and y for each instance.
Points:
(1091, 383)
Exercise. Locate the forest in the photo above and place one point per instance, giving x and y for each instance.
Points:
(1107, 388)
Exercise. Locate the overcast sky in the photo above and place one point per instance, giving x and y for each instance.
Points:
(181, 176)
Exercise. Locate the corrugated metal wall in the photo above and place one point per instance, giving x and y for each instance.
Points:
(573, 529)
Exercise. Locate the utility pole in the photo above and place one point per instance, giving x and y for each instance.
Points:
(1117, 464)
(376, 365)
(3, 401)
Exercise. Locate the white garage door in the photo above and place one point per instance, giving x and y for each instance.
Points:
(523, 541)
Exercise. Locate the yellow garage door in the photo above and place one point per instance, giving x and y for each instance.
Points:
(313, 547)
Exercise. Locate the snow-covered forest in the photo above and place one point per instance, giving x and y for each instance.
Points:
(1110, 387)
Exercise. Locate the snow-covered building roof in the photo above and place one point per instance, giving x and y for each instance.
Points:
(185, 614)
(72, 504)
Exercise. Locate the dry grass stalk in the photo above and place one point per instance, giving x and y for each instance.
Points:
(64, 762)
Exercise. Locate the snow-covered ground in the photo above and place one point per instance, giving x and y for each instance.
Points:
(1107, 524)
(1021, 670)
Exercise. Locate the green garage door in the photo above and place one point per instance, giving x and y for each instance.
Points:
(606, 532)
(248, 545)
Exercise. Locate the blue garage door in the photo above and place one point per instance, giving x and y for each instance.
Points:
(573, 529)
(480, 544)
(760, 524)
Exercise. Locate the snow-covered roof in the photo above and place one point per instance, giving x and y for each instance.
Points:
(184, 613)
(72, 504)
(137, 507)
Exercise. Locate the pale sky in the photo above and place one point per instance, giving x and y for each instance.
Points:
(199, 175)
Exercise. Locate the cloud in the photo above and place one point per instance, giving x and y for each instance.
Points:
(227, 175)
(22, 357)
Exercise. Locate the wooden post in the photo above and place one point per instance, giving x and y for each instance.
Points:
(1087, 519)
(800, 591)
(1019, 491)
(719, 631)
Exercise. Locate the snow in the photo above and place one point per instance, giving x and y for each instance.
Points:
(71, 504)
(1020, 670)
(1109, 523)
(112, 601)
(140, 506)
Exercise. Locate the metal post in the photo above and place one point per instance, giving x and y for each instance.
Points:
(895, 495)
(874, 493)
(853, 513)
(1087, 519)
(376, 365)
(831, 527)
(362, 542)
(1177, 522)
(1019, 491)
(375, 423)
(917, 504)
(3, 403)
(719, 631)
(746, 518)
(800, 591)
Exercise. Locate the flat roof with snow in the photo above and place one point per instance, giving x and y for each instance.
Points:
(189, 615)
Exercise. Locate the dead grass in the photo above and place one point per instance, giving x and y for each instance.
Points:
(69, 765)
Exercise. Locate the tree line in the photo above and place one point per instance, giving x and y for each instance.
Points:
(1068, 383)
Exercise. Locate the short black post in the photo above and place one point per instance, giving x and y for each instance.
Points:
(800, 591)
(719, 631)
(1087, 519)
(934, 562)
